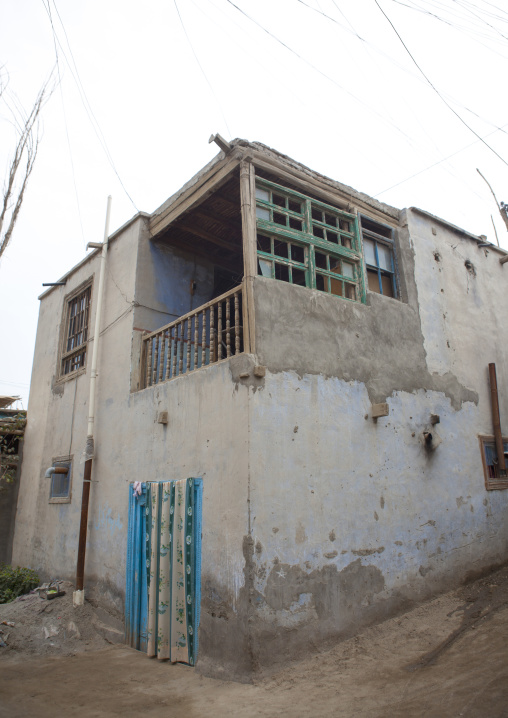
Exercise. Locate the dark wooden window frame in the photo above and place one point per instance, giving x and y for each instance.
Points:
(65, 355)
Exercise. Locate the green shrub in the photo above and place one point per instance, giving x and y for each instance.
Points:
(15, 582)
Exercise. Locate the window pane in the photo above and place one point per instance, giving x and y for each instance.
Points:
(279, 201)
(295, 223)
(370, 255)
(385, 256)
(373, 281)
(330, 219)
(336, 287)
(321, 260)
(335, 265)
(348, 270)
(265, 267)
(281, 249)
(316, 214)
(318, 232)
(263, 213)
(299, 277)
(281, 272)
(321, 282)
(332, 237)
(387, 285)
(350, 291)
(264, 244)
(297, 254)
(279, 218)
(262, 194)
(294, 206)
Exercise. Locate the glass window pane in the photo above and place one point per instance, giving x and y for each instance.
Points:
(262, 194)
(370, 255)
(335, 265)
(265, 267)
(263, 213)
(385, 256)
(348, 270)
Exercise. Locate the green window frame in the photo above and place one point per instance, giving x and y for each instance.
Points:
(306, 242)
(379, 254)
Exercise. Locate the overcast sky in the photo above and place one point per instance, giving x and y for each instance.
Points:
(139, 88)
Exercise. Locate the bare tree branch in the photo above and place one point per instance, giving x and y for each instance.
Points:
(21, 166)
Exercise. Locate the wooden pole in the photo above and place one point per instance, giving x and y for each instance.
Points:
(248, 201)
(496, 419)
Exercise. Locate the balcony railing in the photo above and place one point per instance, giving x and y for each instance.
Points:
(206, 335)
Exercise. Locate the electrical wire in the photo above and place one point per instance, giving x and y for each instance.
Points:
(84, 99)
(437, 91)
(201, 68)
(66, 124)
(316, 69)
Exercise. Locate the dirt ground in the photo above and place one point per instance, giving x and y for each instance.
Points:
(445, 658)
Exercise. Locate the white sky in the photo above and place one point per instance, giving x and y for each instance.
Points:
(345, 99)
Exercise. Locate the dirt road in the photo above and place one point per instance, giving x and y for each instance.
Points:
(448, 657)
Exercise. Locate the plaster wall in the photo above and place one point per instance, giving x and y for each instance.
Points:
(353, 519)
(206, 437)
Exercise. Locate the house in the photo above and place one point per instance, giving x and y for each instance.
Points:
(12, 429)
(319, 360)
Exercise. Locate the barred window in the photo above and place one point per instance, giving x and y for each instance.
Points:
(303, 241)
(74, 346)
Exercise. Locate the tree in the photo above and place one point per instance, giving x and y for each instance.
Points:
(22, 163)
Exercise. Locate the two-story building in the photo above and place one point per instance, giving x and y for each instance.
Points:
(320, 361)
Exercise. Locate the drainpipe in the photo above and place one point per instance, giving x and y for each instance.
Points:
(496, 420)
(78, 596)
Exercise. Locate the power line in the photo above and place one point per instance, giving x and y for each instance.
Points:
(201, 68)
(86, 104)
(316, 69)
(437, 91)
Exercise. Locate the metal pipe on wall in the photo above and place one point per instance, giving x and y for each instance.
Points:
(78, 596)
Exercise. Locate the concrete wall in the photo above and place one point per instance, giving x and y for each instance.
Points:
(352, 520)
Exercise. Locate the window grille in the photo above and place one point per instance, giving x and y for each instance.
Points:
(76, 332)
(306, 242)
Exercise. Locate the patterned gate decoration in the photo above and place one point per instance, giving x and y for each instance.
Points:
(172, 548)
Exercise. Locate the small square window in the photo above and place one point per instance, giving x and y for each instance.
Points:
(60, 486)
(494, 479)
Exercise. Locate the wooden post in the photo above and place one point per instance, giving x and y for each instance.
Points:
(248, 201)
(496, 420)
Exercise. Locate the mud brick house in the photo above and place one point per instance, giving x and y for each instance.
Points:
(319, 360)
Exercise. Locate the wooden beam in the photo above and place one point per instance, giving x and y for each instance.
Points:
(195, 195)
(227, 222)
(248, 203)
(207, 236)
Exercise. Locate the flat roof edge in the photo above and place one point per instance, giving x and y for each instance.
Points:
(90, 256)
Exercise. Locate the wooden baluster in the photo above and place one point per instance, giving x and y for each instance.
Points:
(182, 336)
(168, 355)
(174, 333)
(219, 331)
(237, 324)
(155, 359)
(228, 327)
(203, 339)
(196, 329)
(189, 330)
(161, 362)
(148, 345)
(212, 334)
